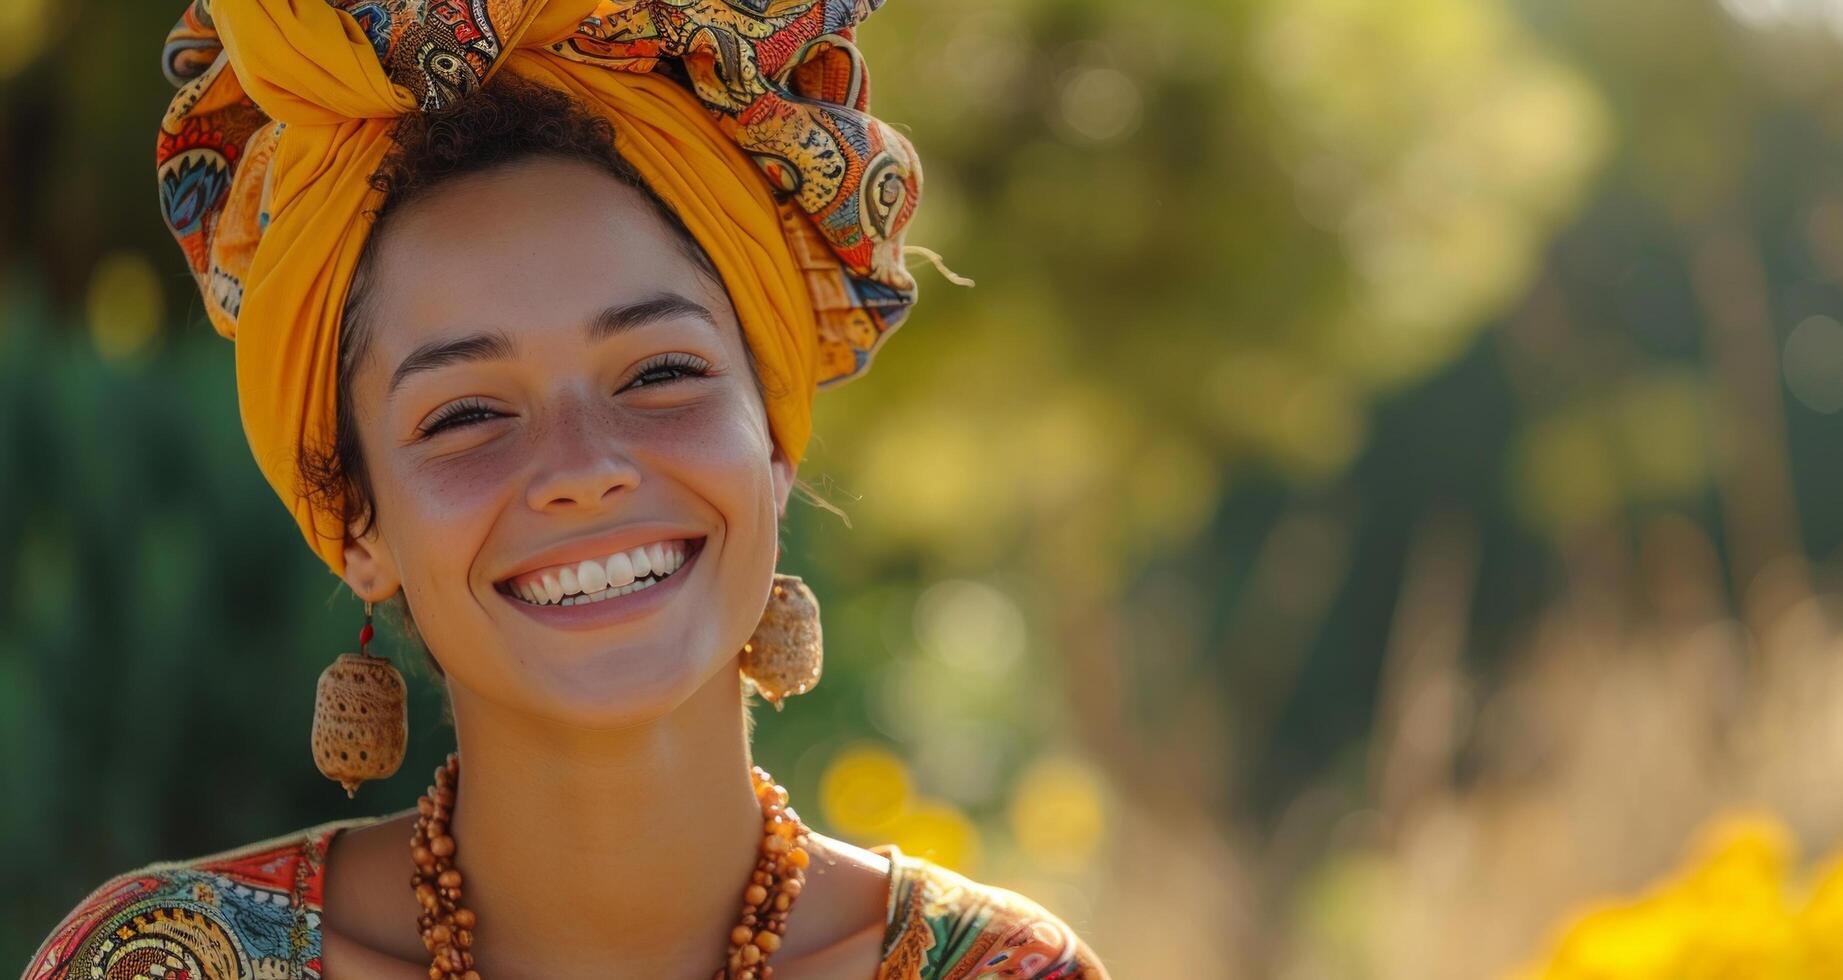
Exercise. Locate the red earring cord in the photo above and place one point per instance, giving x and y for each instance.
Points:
(365, 632)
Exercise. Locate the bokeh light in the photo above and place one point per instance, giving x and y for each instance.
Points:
(1058, 812)
(124, 304)
(864, 790)
(972, 627)
(1814, 363)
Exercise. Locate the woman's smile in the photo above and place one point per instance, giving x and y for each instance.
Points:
(609, 604)
(595, 579)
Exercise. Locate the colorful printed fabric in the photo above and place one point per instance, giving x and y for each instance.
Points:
(254, 914)
(748, 117)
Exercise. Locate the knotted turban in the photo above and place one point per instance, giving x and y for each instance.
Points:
(748, 117)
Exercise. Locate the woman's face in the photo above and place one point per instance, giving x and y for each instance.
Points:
(555, 401)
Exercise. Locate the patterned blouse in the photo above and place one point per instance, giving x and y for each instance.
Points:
(253, 913)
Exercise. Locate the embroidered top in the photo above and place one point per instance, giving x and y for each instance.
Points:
(253, 913)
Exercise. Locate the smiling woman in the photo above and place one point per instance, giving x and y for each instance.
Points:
(514, 138)
(530, 302)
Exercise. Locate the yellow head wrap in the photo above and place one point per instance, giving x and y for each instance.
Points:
(748, 117)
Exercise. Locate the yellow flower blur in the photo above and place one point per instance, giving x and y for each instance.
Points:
(1734, 912)
(863, 790)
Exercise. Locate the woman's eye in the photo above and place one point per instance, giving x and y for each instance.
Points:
(456, 416)
(669, 369)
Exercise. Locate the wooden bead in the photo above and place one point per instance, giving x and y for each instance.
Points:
(464, 918)
(768, 941)
(751, 954)
(741, 935)
(449, 879)
(792, 886)
(442, 846)
(441, 935)
(755, 895)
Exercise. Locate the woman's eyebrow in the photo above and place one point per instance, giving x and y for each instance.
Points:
(485, 346)
(659, 306)
(496, 346)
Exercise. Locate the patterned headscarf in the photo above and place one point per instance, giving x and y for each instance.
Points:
(748, 117)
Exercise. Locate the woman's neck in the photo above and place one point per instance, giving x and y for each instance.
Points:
(574, 842)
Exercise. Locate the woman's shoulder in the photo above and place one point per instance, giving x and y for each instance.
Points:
(944, 924)
(251, 911)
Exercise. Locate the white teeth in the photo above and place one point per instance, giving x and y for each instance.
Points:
(620, 570)
(592, 577)
(595, 580)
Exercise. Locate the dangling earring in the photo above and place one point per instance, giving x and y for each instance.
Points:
(361, 716)
(784, 656)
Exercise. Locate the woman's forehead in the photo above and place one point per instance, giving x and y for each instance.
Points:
(542, 241)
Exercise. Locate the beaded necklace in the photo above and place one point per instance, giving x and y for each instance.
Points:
(448, 926)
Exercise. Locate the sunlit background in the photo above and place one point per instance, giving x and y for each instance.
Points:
(1376, 514)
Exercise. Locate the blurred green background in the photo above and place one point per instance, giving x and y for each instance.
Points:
(1380, 494)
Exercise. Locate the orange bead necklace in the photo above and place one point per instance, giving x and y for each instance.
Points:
(448, 926)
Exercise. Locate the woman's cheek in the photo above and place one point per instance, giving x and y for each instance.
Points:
(720, 433)
(443, 495)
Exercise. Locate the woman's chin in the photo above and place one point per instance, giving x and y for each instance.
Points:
(613, 687)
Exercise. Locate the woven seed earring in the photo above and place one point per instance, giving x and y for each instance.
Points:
(785, 655)
(361, 716)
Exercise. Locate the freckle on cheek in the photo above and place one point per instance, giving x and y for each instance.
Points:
(442, 496)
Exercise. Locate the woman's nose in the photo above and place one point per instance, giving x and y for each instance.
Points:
(580, 467)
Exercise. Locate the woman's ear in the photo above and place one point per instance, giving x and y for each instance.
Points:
(371, 570)
(783, 479)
